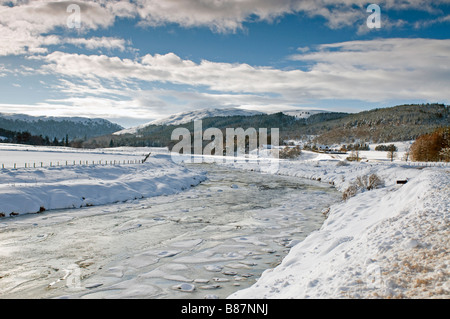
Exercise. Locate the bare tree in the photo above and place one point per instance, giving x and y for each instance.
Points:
(392, 152)
(407, 154)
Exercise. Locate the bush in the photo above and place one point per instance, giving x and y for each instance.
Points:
(354, 157)
(342, 163)
(431, 147)
(351, 191)
(445, 154)
(369, 182)
(361, 184)
(290, 152)
(386, 148)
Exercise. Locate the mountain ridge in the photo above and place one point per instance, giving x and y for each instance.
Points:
(57, 127)
(189, 116)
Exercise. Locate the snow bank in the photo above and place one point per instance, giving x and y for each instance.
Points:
(31, 190)
(387, 242)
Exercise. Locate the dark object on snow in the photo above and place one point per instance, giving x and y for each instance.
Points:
(146, 157)
(402, 182)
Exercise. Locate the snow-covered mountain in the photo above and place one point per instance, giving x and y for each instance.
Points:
(303, 114)
(59, 127)
(186, 117)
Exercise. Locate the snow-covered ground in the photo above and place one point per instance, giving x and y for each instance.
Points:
(390, 242)
(30, 190)
(34, 156)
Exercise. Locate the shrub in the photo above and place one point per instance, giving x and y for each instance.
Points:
(363, 183)
(369, 182)
(290, 152)
(342, 163)
(431, 147)
(386, 148)
(351, 191)
(354, 156)
(445, 154)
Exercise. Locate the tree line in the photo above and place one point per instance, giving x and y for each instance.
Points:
(30, 139)
(432, 147)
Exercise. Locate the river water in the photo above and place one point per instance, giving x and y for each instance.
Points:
(206, 242)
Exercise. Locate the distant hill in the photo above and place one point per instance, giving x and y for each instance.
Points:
(399, 123)
(190, 116)
(160, 135)
(57, 127)
(186, 117)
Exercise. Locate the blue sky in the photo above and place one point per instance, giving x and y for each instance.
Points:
(135, 61)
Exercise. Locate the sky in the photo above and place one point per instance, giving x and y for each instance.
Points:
(135, 61)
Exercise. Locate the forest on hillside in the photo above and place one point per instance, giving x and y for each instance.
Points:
(383, 125)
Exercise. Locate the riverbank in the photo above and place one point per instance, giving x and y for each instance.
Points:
(389, 242)
(206, 242)
(35, 190)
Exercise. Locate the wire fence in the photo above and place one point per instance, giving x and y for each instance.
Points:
(428, 164)
(71, 163)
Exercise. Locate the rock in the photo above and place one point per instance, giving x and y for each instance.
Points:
(209, 287)
(201, 281)
(213, 268)
(411, 243)
(93, 286)
(185, 287)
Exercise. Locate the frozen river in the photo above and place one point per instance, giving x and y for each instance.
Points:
(206, 242)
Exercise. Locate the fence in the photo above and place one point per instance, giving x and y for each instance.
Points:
(429, 164)
(71, 163)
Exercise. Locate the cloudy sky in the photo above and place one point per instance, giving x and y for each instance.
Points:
(139, 60)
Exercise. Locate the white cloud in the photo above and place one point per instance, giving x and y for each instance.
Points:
(376, 70)
(98, 43)
(384, 69)
(373, 71)
(25, 27)
(230, 15)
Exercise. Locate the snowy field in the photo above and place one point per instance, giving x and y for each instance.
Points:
(388, 242)
(34, 156)
(96, 182)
